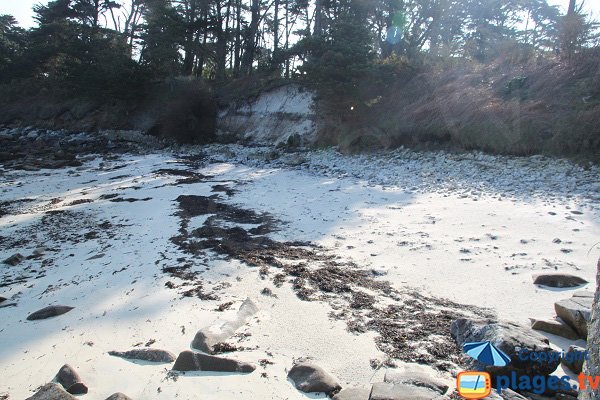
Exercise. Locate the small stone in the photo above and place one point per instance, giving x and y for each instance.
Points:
(70, 380)
(118, 396)
(310, 378)
(559, 280)
(190, 361)
(2, 299)
(51, 391)
(14, 260)
(50, 311)
(151, 355)
(555, 327)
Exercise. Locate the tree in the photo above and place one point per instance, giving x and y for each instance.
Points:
(12, 45)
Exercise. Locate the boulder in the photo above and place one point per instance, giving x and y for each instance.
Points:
(2, 299)
(401, 391)
(417, 375)
(558, 280)
(353, 394)
(13, 260)
(206, 338)
(592, 366)
(310, 378)
(190, 361)
(574, 359)
(118, 396)
(70, 380)
(152, 355)
(576, 312)
(555, 327)
(584, 293)
(51, 391)
(508, 337)
(50, 311)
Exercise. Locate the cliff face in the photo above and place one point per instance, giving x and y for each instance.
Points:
(592, 365)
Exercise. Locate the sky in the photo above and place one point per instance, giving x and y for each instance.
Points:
(21, 9)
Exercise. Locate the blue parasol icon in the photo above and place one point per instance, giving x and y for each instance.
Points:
(486, 353)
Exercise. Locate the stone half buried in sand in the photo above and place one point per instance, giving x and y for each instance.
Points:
(310, 378)
(48, 312)
(558, 280)
(191, 361)
(51, 391)
(508, 337)
(150, 355)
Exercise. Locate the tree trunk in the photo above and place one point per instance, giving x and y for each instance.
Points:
(248, 57)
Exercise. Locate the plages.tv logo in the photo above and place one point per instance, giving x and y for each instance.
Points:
(475, 384)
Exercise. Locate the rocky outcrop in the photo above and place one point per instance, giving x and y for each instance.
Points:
(508, 337)
(592, 366)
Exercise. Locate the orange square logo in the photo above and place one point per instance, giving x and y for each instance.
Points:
(473, 384)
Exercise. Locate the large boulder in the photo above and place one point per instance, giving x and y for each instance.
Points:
(511, 339)
(190, 361)
(51, 391)
(559, 280)
(309, 377)
(576, 312)
(555, 327)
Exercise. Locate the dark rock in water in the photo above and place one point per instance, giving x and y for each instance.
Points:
(508, 337)
(152, 355)
(574, 359)
(559, 280)
(555, 327)
(118, 396)
(2, 299)
(416, 376)
(309, 378)
(50, 311)
(70, 380)
(401, 391)
(576, 312)
(190, 361)
(13, 260)
(51, 391)
(353, 394)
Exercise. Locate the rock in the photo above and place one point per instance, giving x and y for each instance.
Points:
(50, 311)
(576, 312)
(592, 366)
(118, 396)
(401, 391)
(556, 327)
(574, 359)
(190, 361)
(152, 355)
(353, 394)
(2, 299)
(70, 380)
(559, 280)
(51, 391)
(508, 337)
(206, 338)
(13, 260)
(584, 293)
(417, 375)
(310, 378)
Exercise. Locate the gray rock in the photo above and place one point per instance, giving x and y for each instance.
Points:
(592, 366)
(401, 391)
(576, 312)
(118, 396)
(559, 280)
(310, 378)
(50, 311)
(70, 380)
(353, 394)
(508, 337)
(556, 327)
(416, 376)
(574, 359)
(51, 391)
(152, 355)
(206, 338)
(584, 293)
(190, 361)
(15, 259)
